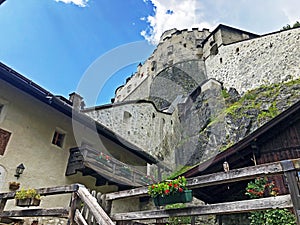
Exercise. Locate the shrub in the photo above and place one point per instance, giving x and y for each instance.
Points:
(261, 187)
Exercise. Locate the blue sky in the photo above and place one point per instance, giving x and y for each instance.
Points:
(54, 42)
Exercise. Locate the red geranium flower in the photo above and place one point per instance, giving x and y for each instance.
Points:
(180, 190)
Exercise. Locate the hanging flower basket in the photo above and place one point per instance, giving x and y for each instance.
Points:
(178, 197)
(170, 192)
(13, 186)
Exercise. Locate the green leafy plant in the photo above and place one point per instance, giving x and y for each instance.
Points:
(178, 220)
(261, 187)
(29, 193)
(167, 187)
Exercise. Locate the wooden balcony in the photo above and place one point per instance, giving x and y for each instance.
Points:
(104, 168)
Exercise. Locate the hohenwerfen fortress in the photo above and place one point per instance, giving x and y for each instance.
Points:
(164, 106)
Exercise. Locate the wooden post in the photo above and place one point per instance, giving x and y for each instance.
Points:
(193, 220)
(291, 176)
(73, 206)
(94, 208)
(2, 204)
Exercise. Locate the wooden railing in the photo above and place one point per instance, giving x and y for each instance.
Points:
(79, 194)
(287, 167)
(106, 166)
(99, 211)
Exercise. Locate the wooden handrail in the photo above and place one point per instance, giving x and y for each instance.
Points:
(234, 175)
(283, 201)
(79, 191)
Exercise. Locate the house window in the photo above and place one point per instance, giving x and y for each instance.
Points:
(4, 138)
(58, 138)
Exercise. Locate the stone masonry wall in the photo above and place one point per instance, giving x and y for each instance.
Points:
(175, 46)
(141, 124)
(249, 64)
(180, 79)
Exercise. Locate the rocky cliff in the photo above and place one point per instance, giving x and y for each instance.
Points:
(218, 118)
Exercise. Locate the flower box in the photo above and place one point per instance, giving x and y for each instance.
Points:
(178, 197)
(28, 202)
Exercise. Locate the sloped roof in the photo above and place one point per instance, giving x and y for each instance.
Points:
(22, 83)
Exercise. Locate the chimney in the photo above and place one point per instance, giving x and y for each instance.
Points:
(77, 101)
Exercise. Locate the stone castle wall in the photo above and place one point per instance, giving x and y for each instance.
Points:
(243, 65)
(175, 47)
(141, 124)
(251, 63)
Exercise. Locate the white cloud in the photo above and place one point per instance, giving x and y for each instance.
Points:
(255, 16)
(81, 3)
(173, 14)
(291, 10)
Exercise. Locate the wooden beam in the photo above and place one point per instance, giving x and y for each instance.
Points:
(283, 201)
(46, 191)
(60, 212)
(137, 192)
(235, 175)
(94, 208)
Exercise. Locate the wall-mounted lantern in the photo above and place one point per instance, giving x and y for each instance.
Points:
(19, 170)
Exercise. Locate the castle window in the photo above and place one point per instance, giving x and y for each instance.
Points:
(214, 50)
(129, 88)
(170, 50)
(198, 43)
(153, 65)
(4, 138)
(184, 45)
(126, 116)
(212, 43)
(221, 60)
(58, 138)
(237, 50)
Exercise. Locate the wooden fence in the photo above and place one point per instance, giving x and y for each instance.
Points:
(287, 167)
(99, 210)
(79, 195)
